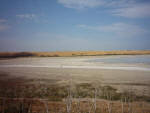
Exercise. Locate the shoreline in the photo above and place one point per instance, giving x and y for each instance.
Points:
(129, 68)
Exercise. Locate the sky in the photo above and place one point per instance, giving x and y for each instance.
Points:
(74, 25)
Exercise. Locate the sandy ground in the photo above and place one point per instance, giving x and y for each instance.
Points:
(61, 69)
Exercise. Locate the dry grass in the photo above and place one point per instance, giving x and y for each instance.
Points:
(71, 53)
(19, 95)
(23, 105)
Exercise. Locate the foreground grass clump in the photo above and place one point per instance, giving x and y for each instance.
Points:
(71, 105)
(19, 88)
(21, 96)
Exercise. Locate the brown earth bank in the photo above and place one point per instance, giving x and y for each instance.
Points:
(72, 53)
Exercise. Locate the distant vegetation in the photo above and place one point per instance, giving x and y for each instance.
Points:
(16, 54)
(71, 53)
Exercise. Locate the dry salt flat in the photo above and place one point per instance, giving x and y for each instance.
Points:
(117, 71)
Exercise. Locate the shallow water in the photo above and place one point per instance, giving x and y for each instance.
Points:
(130, 59)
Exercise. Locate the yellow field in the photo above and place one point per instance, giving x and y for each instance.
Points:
(72, 53)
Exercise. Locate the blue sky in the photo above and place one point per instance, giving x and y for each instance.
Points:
(71, 25)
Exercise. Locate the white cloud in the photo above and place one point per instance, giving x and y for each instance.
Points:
(3, 20)
(3, 25)
(119, 3)
(79, 4)
(118, 29)
(135, 11)
(26, 16)
(82, 26)
(124, 8)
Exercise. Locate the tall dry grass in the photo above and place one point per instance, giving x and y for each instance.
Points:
(71, 53)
